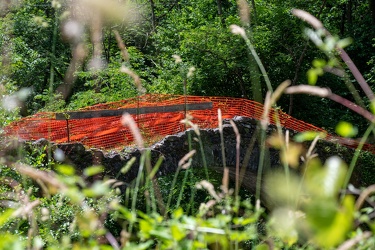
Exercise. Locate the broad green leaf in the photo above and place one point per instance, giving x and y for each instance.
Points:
(138, 246)
(308, 136)
(65, 170)
(162, 233)
(5, 216)
(319, 63)
(346, 129)
(90, 171)
(320, 213)
(284, 225)
(343, 43)
(282, 190)
(372, 107)
(97, 189)
(145, 228)
(334, 175)
(11, 242)
(178, 213)
(312, 76)
(243, 221)
(342, 223)
(262, 246)
(177, 232)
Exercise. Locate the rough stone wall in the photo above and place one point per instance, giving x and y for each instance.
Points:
(173, 147)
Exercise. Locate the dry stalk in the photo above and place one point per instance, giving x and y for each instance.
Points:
(238, 142)
(349, 244)
(362, 197)
(326, 93)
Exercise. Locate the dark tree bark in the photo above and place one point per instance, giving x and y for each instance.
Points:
(254, 10)
(153, 18)
(371, 4)
(220, 10)
(343, 20)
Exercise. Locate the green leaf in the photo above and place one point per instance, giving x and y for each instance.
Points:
(262, 246)
(319, 63)
(334, 176)
(139, 246)
(346, 129)
(372, 107)
(312, 76)
(336, 232)
(177, 232)
(97, 189)
(65, 170)
(178, 213)
(308, 136)
(343, 43)
(11, 242)
(90, 171)
(5, 216)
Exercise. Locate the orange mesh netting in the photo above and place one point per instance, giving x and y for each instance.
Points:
(156, 116)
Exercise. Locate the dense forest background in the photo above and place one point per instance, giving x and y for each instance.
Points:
(39, 40)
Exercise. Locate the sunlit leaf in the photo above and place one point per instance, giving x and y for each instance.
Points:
(90, 171)
(312, 76)
(321, 213)
(334, 176)
(138, 245)
(275, 141)
(145, 228)
(262, 246)
(343, 43)
(65, 170)
(283, 225)
(336, 232)
(372, 107)
(319, 63)
(346, 129)
(178, 213)
(282, 190)
(243, 221)
(308, 136)
(291, 154)
(325, 182)
(97, 189)
(177, 232)
(5, 216)
(11, 242)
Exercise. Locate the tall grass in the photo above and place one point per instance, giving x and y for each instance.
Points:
(306, 213)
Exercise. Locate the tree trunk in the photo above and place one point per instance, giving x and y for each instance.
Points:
(220, 10)
(254, 11)
(153, 18)
(371, 5)
(343, 19)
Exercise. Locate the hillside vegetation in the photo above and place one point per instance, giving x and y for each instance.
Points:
(314, 60)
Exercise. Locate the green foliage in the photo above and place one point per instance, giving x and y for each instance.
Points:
(47, 205)
(10, 100)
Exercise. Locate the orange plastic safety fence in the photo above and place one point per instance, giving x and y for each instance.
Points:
(108, 132)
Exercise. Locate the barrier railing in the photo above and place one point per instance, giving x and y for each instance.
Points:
(156, 115)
